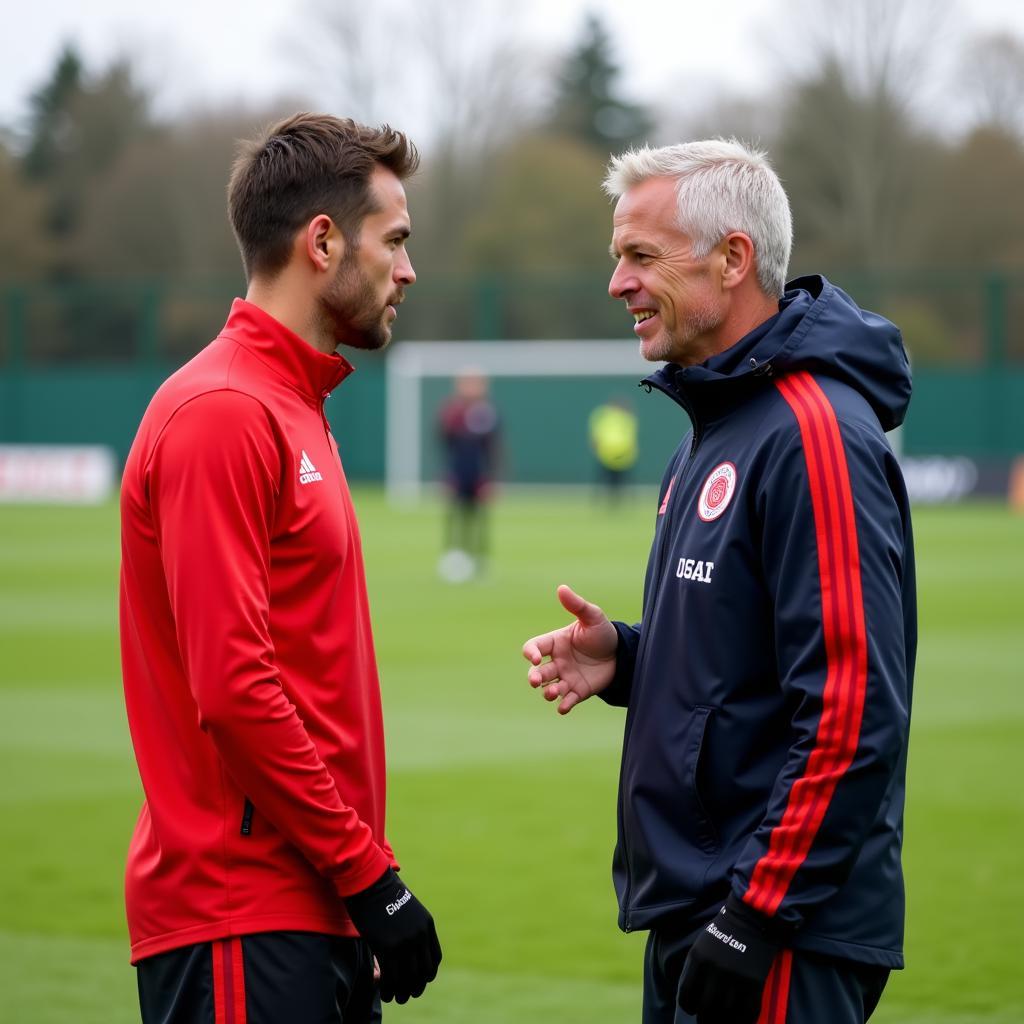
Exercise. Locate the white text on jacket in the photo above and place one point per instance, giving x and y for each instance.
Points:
(691, 569)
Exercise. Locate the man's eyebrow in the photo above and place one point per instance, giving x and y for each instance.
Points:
(615, 251)
(400, 232)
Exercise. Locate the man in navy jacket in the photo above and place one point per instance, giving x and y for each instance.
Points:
(768, 683)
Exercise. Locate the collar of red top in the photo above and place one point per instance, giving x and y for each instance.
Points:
(307, 369)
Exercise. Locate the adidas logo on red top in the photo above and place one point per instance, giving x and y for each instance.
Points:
(307, 471)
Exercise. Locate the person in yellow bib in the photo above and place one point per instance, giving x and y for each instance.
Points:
(613, 437)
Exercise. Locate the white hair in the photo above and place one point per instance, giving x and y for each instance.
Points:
(721, 186)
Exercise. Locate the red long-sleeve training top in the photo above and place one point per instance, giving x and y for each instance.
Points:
(247, 655)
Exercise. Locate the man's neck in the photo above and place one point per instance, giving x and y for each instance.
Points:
(742, 318)
(295, 313)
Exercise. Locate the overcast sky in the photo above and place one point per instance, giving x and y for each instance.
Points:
(203, 52)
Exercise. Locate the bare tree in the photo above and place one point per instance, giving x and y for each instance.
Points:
(992, 79)
(457, 74)
(880, 48)
(481, 79)
(850, 145)
(352, 57)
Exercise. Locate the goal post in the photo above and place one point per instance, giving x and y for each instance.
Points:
(410, 364)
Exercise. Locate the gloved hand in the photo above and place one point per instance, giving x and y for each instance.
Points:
(401, 933)
(725, 971)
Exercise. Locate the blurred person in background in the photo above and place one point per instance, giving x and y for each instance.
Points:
(468, 427)
(260, 883)
(613, 438)
(768, 683)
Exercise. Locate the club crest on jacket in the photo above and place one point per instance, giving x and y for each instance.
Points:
(717, 492)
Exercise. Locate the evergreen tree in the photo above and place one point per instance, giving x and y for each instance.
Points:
(79, 127)
(51, 144)
(586, 105)
(49, 123)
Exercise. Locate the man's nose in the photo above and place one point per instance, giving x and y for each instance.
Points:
(621, 283)
(404, 274)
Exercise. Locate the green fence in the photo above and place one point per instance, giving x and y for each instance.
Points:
(78, 364)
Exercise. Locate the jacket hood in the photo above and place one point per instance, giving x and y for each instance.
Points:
(820, 329)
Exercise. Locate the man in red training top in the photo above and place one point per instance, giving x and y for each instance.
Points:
(260, 884)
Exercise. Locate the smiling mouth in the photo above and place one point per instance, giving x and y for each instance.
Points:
(643, 315)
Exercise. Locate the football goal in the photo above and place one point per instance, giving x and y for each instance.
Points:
(544, 391)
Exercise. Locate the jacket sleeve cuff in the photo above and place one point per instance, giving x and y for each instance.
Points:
(390, 854)
(364, 874)
(617, 692)
(771, 928)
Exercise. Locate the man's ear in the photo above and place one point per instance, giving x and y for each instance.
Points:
(738, 265)
(324, 242)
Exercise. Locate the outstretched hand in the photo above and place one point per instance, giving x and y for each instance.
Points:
(582, 654)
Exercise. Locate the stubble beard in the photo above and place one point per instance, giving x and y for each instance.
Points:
(679, 346)
(351, 312)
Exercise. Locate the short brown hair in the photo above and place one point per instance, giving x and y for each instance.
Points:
(303, 166)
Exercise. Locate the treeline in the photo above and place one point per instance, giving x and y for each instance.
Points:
(510, 226)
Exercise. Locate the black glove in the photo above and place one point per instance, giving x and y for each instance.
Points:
(724, 974)
(401, 934)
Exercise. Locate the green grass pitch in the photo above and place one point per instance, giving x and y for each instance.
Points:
(501, 812)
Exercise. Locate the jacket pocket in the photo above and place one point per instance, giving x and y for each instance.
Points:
(695, 757)
(247, 810)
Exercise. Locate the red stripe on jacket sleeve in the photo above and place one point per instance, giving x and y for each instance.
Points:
(845, 638)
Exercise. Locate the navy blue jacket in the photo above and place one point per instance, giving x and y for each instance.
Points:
(769, 682)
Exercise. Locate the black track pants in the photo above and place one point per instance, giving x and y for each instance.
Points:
(802, 988)
(266, 978)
